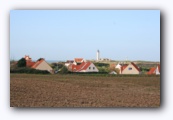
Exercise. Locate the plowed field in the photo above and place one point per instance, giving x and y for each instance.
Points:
(27, 90)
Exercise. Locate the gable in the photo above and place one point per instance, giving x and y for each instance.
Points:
(158, 70)
(42, 65)
(131, 69)
(91, 68)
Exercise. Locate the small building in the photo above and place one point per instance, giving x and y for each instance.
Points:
(154, 70)
(129, 69)
(40, 64)
(83, 67)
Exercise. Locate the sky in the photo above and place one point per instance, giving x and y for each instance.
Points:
(68, 34)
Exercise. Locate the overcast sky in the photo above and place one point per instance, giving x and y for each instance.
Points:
(67, 34)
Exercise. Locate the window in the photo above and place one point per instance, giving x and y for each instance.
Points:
(93, 68)
(129, 68)
(89, 67)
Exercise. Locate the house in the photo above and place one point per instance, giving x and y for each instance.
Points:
(80, 65)
(154, 70)
(41, 64)
(129, 69)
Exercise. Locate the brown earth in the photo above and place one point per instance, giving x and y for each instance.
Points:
(27, 90)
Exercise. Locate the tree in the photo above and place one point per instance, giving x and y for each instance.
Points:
(64, 70)
(57, 65)
(21, 62)
(102, 69)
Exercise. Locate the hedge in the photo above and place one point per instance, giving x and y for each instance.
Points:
(28, 70)
(111, 75)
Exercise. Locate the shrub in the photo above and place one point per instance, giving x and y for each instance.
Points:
(101, 64)
(21, 63)
(64, 70)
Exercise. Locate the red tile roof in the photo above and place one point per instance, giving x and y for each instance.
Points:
(85, 65)
(37, 63)
(82, 66)
(29, 63)
(151, 71)
(78, 60)
(135, 66)
(123, 67)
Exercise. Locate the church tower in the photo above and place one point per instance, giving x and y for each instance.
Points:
(98, 55)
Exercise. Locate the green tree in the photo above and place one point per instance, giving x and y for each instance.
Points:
(21, 63)
(64, 70)
(103, 69)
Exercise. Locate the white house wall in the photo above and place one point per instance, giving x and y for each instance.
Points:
(91, 68)
(157, 71)
(118, 66)
(67, 64)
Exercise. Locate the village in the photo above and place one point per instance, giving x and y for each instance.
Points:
(81, 65)
(84, 58)
(84, 83)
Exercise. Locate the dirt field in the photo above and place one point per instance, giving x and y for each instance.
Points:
(28, 90)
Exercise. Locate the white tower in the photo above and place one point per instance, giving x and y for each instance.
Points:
(98, 55)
